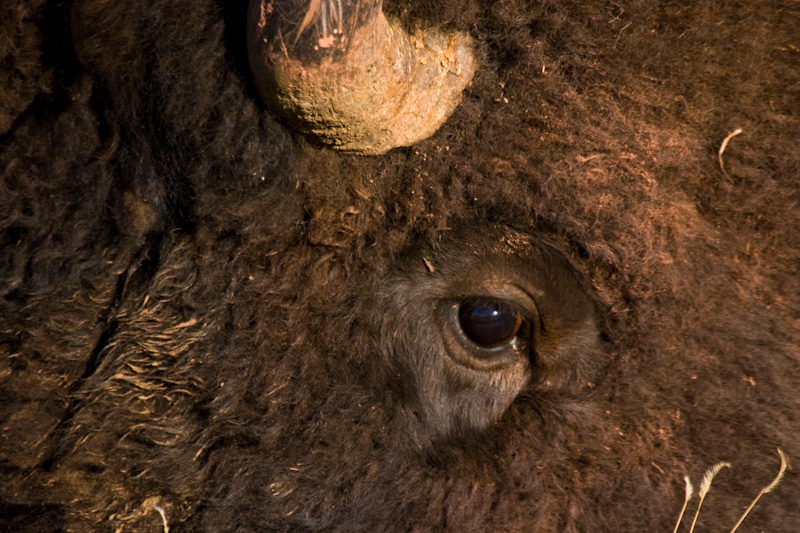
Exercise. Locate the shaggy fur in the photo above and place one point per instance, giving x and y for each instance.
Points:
(202, 313)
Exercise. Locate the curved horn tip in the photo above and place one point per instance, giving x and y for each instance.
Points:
(357, 82)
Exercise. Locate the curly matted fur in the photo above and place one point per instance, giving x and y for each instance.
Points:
(194, 305)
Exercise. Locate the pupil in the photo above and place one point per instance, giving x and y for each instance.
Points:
(488, 324)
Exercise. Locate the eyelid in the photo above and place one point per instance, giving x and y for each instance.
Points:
(466, 352)
(506, 292)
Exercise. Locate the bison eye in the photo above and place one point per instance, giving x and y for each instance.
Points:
(489, 324)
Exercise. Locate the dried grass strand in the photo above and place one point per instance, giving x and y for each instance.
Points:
(722, 147)
(160, 510)
(775, 482)
(311, 12)
(705, 486)
(689, 492)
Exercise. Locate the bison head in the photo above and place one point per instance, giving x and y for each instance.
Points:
(565, 288)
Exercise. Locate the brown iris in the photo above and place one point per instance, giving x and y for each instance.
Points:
(489, 324)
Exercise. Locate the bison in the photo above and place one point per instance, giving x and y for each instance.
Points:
(346, 265)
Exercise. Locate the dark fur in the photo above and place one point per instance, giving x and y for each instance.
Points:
(203, 312)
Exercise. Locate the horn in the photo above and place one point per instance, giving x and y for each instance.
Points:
(339, 71)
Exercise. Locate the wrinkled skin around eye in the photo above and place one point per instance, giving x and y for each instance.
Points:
(465, 338)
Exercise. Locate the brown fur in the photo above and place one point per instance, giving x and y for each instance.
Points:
(199, 310)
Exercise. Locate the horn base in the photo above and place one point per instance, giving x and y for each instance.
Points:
(367, 89)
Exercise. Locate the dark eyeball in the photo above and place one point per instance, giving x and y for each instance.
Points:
(489, 324)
